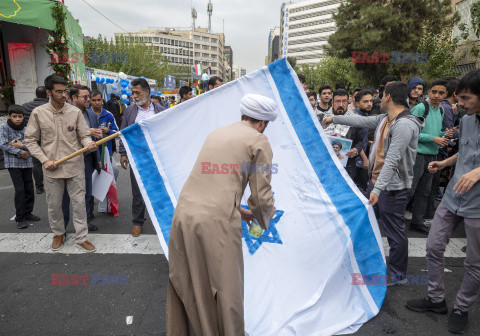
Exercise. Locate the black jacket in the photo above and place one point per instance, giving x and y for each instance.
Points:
(31, 105)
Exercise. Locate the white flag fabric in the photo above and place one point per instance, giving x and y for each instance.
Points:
(302, 275)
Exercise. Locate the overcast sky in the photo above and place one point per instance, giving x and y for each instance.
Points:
(247, 22)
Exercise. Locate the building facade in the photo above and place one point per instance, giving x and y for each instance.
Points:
(238, 71)
(273, 45)
(228, 62)
(185, 47)
(305, 28)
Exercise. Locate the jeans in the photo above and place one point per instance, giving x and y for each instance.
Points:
(24, 192)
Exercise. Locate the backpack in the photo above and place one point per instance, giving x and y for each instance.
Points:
(427, 109)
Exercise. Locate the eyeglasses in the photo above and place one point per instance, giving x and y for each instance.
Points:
(84, 97)
(61, 92)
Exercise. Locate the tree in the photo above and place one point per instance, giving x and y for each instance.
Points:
(133, 58)
(379, 26)
(331, 70)
(293, 62)
(442, 56)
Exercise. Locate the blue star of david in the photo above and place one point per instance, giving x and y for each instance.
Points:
(269, 236)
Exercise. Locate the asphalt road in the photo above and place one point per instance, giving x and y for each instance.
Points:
(120, 285)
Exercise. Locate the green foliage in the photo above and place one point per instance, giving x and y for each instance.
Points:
(442, 56)
(475, 13)
(330, 70)
(6, 92)
(141, 59)
(386, 26)
(57, 45)
(293, 62)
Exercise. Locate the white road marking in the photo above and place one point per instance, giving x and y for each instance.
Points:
(149, 244)
(417, 247)
(104, 243)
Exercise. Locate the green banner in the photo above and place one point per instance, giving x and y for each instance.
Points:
(35, 13)
(38, 13)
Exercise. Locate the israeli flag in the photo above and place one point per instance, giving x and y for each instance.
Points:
(305, 275)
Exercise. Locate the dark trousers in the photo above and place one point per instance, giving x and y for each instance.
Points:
(391, 208)
(359, 176)
(24, 192)
(37, 174)
(138, 205)
(89, 168)
(421, 187)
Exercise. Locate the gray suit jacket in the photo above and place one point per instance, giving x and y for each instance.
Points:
(129, 117)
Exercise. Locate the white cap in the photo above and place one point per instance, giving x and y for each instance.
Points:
(259, 107)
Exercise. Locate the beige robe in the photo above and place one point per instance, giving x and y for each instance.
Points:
(205, 246)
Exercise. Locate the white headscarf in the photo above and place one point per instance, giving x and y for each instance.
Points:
(258, 107)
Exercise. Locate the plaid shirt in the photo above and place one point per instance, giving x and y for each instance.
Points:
(10, 153)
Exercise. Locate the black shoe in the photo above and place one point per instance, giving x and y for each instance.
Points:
(420, 228)
(31, 217)
(464, 249)
(457, 321)
(426, 304)
(40, 191)
(92, 227)
(21, 224)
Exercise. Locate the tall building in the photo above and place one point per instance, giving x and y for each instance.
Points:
(238, 71)
(305, 27)
(273, 45)
(469, 62)
(185, 47)
(228, 62)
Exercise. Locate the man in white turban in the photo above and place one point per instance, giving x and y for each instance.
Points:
(205, 289)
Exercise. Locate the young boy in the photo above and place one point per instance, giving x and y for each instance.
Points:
(19, 163)
(431, 138)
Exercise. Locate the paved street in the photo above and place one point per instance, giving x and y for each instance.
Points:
(131, 277)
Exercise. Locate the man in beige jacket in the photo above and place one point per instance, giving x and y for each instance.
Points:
(61, 130)
(205, 289)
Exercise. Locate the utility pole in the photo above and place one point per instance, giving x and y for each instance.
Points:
(210, 11)
(194, 17)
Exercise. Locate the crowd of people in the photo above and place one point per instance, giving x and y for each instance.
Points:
(405, 139)
(402, 170)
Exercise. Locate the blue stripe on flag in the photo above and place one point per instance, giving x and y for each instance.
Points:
(151, 178)
(349, 206)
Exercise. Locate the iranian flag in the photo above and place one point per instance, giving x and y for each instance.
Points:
(198, 69)
(112, 196)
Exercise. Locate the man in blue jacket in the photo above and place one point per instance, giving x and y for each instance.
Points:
(80, 96)
(108, 125)
(142, 108)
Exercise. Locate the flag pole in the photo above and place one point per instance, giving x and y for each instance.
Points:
(83, 150)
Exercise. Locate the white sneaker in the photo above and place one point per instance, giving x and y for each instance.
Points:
(408, 215)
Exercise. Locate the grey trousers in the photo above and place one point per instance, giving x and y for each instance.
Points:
(421, 187)
(138, 205)
(443, 225)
